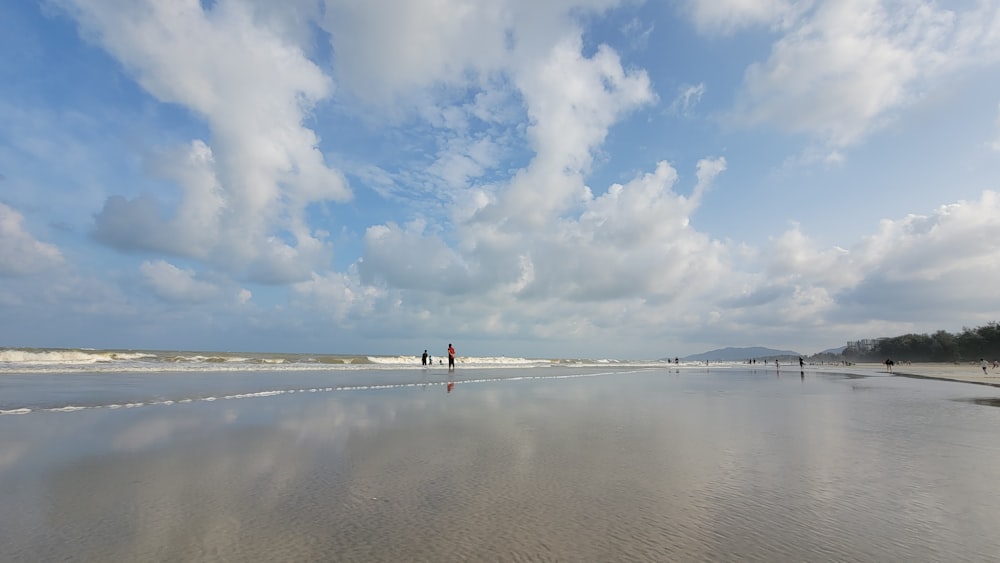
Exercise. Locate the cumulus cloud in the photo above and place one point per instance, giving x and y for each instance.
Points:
(176, 285)
(20, 253)
(340, 297)
(572, 101)
(407, 47)
(901, 278)
(247, 191)
(841, 69)
(627, 257)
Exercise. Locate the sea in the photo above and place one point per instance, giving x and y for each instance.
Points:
(124, 455)
(65, 380)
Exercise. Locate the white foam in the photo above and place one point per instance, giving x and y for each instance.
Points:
(68, 356)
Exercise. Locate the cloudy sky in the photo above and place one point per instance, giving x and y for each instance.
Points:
(568, 178)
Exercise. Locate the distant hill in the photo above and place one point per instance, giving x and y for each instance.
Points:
(737, 354)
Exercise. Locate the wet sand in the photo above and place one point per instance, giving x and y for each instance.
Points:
(683, 465)
(967, 372)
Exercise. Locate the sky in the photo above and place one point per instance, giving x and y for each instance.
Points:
(569, 178)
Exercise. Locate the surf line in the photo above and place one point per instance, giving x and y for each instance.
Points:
(276, 392)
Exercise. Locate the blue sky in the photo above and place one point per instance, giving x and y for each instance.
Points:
(572, 178)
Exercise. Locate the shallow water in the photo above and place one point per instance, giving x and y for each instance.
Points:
(531, 464)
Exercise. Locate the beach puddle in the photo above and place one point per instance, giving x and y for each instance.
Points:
(985, 401)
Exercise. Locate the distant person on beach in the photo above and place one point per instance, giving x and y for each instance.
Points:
(801, 362)
(982, 364)
(423, 360)
(451, 357)
(888, 365)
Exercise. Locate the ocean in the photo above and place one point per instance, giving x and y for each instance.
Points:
(166, 456)
(33, 380)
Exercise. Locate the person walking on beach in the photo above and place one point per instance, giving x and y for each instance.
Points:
(451, 357)
(982, 364)
(888, 365)
(423, 359)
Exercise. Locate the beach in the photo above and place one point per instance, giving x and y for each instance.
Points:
(966, 372)
(537, 464)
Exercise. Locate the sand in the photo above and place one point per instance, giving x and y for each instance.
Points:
(967, 372)
(688, 465)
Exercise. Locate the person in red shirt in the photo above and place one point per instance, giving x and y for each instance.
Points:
(451, 357)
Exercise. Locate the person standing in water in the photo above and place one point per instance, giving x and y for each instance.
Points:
(423, 359)
(451, 357)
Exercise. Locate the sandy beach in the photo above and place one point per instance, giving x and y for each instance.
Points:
(967, 372)
(541, 464)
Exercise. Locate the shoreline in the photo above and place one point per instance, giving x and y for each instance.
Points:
(961, 373)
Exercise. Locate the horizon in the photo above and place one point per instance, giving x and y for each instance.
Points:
(585, 178)
(415, 355)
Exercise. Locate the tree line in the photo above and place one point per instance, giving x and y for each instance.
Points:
(942, 346)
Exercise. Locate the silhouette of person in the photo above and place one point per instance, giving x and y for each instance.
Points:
(451, 357)
(423, 359)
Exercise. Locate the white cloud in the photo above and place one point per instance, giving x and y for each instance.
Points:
(909, 275)
(841, 70)
(688, 97)
(20, 253)
(341, 297)
(176, 285)
(628, 258)
(727, 16)
(388, 52)
(571, 101)
(248, 190)
(638, 33)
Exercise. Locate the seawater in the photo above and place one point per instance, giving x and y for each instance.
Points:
(544, 463)
(57, 360)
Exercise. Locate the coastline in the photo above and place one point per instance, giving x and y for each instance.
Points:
(968, 372)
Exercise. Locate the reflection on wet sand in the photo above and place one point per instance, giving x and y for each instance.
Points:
(636, 467)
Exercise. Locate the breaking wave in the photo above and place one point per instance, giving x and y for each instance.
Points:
(37, 360)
